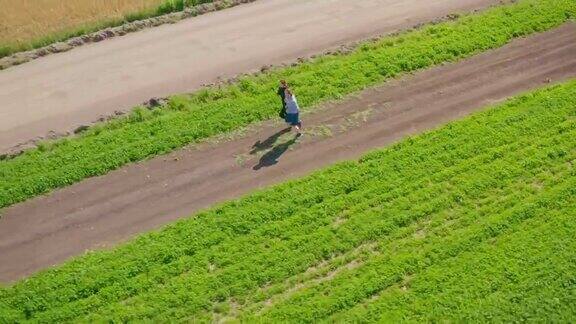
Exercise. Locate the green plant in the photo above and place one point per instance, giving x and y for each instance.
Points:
(437, 227)
(209, 112)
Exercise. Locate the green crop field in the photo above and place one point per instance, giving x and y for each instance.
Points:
(471, 222)
(209, 112)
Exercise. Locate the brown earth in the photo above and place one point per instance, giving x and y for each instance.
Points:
(103, 211)
(57, 93)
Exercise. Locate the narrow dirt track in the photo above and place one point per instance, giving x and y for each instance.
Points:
(103, 211)
(60, 92)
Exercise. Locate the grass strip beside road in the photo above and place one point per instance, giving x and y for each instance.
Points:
(218, 110)
(402, 233)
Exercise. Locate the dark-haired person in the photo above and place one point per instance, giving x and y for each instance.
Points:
(282, 93)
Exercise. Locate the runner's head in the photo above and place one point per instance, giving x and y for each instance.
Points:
(283, 83)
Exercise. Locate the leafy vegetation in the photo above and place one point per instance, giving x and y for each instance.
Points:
(213, 111)
(30, 24)
(469, 222)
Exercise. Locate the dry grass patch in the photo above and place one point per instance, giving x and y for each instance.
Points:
(25, 21)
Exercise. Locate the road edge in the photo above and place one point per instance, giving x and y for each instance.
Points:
(111, 32)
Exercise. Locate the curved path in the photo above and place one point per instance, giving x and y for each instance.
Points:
(103, 211)
(60, 92)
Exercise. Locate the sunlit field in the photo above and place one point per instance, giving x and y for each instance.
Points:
(27, 24)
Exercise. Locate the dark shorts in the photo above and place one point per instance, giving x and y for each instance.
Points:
(293, 119)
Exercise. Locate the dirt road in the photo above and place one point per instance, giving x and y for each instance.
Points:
(60, 92)
(102, 211)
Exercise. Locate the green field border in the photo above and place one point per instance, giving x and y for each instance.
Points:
(218, 110)
(468, 184)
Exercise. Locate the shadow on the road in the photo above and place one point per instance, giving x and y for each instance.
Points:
(271, 157)
(269, 142)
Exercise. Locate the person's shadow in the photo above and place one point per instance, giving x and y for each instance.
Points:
(267, 143)
(271, 157)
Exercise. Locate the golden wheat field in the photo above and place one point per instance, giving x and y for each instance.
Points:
(23, 21)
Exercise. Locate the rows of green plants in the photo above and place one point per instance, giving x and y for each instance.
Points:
(495, 281)
(213, 111)
(475, 187)
(167, 6)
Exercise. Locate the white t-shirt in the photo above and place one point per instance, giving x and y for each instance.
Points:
(292, 105)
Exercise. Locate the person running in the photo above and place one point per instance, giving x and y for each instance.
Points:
(282, 93)
(293, 111)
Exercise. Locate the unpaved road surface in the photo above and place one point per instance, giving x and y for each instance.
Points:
(60, 92)
(103, 211)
